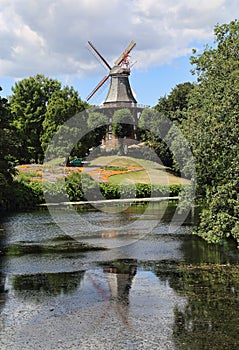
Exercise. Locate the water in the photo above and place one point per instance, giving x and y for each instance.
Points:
(154, 287)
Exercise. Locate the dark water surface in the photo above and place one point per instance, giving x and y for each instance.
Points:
(154, 287)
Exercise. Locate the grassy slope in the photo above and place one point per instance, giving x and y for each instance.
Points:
(147, 172)
(140, 170)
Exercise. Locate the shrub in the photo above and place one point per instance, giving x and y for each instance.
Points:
(26, 195)
(109, 191)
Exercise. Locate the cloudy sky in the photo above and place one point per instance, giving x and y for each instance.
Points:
(50, 37)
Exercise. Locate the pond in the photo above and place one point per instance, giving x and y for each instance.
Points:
(115, 279)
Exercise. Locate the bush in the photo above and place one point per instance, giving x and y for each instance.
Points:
(109, 191)
(175, 190)
(74, 187)
(55, 191)
(81, 187)
(26, 195)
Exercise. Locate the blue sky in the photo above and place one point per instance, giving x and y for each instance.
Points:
(50, 37)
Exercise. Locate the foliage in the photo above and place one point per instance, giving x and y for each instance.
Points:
(39, 105)
(7, 152)
(26, 194)
(82, 187)
(63, 104)
(212, 129)
(122, 123)
(122, 126)
(74, 187)
(151, 132)
(55, 191)
(175, 104)
(98, 125)
(28, 105)
(109, 191)
(220, 217)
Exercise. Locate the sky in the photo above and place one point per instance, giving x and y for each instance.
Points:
(50, 37)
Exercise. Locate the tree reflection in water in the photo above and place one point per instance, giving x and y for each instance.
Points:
(54, 284)
(209, 279)
(210, 320)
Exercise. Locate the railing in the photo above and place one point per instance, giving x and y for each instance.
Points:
(123, 105)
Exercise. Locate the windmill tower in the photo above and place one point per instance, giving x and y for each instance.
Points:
(119, 94)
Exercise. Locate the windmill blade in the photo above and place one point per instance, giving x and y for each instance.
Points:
(125, 53)
(101, 57)
(97, 87)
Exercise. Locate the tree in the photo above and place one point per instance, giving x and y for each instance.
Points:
(212, 129)
(175, 104)
(122, 123)
(122, 126)
(39, 105)
(28, 105)
(98, 125)
(63, 104)
(7, 148)
(151, 132)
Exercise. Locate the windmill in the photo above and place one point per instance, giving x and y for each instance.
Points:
(120, 92)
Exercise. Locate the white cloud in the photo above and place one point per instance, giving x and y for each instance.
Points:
(49, 36)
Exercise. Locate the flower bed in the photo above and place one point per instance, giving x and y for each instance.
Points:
(38, 172)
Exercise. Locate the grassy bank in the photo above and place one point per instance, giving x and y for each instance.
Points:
(139, 171)
(114, 176)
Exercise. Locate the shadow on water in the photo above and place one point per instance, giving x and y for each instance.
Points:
(196, 251)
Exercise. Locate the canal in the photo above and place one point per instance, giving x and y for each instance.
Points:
(115, 279)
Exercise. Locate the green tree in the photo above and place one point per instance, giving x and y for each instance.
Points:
(151, 132)
(63, 104)
(28, 105)
(98, 125)
(212, 129)
(122, 123)
(7, 149)
(175, 104)
(122, 126)
(39, 105)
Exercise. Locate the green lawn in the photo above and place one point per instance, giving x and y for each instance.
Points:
(139, 170)
(144, 171)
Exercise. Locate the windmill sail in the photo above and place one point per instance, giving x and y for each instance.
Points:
(125, 53)
(100, 56)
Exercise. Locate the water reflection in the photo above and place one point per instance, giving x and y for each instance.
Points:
(163, 302)
(196, 251)
(120, 275)
(3, 290)
(165, 291)
(57, 283)
(210, 319)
